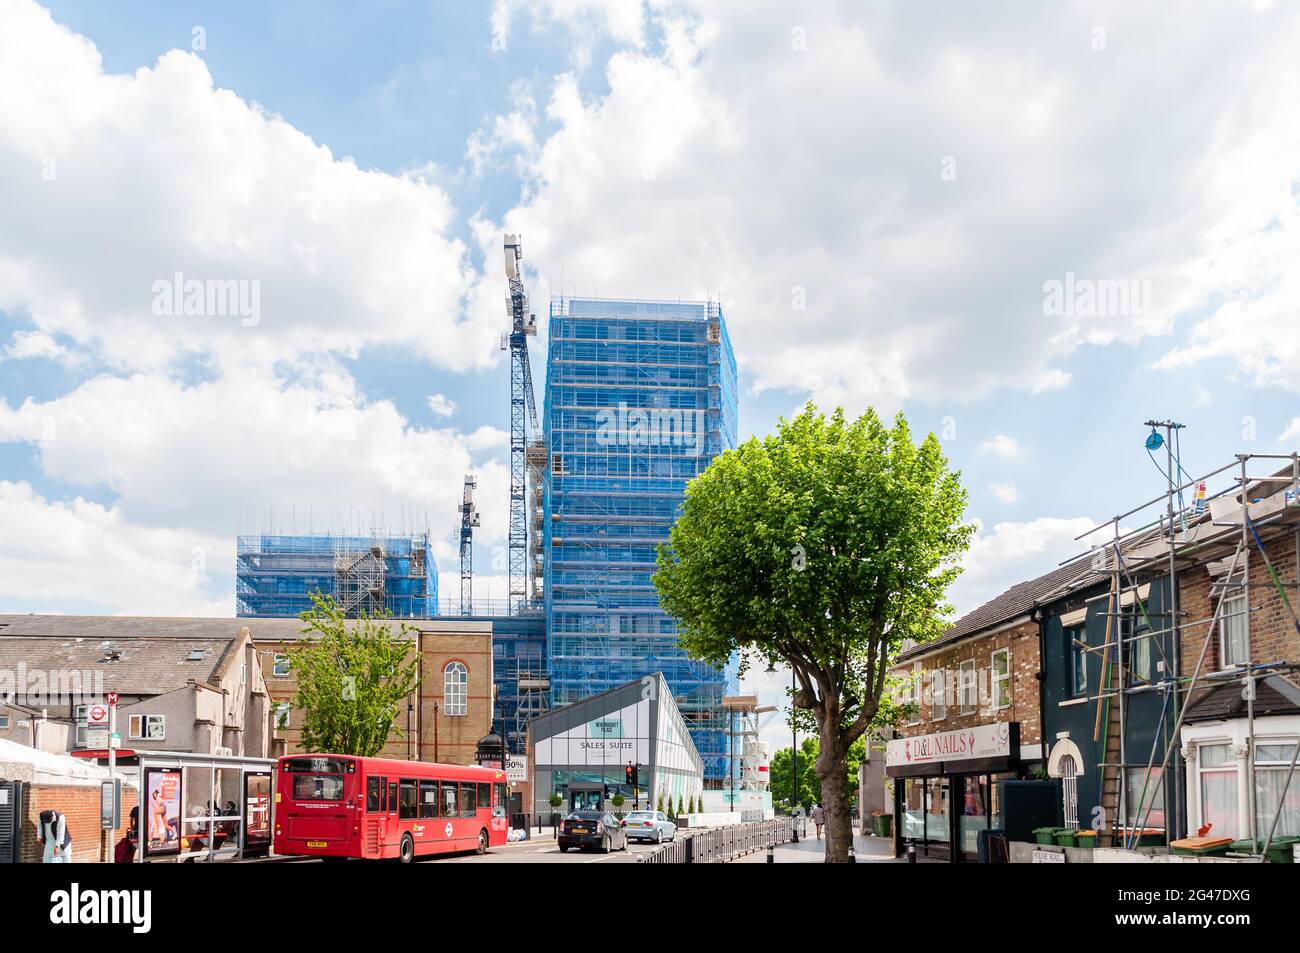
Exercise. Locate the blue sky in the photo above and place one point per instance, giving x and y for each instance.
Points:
(879, 198)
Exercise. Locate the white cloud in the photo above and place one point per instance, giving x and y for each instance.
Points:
(241, 451)
(164, 173)
(1005, 492)
(1002, 446)
(1292, 431)
(25, 344)
(796, 171)
(442, 406)
(82, 556)
(1010, 552)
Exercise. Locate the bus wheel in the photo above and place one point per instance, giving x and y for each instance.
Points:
(406, 853)
(482, 842)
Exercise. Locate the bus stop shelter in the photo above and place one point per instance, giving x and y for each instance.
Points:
(197, 806)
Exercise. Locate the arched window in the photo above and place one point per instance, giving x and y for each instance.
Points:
(454, 691)
(1070, 790)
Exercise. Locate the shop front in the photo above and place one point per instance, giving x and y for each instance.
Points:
(945, 787)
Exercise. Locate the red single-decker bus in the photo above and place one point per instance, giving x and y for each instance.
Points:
(329, 805)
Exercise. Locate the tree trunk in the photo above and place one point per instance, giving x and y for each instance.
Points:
(832, 771)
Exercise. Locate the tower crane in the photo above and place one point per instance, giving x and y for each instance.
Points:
(526, 452)
(468, 520)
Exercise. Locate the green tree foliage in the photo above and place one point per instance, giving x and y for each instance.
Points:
(825, 546)
(353, 674)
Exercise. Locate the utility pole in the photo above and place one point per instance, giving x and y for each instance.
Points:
(1171, 429)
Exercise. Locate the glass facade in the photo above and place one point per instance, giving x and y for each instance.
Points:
(640, 396)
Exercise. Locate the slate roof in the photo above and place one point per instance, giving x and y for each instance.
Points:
(1017, 601)
(1274, 695)
(148, 666)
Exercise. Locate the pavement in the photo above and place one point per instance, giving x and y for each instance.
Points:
(813, 851)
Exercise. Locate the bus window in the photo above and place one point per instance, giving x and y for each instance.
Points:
(498, 800)
(374, 794)
(392, 797)
(448, 799)
(428, 798)
(485, 797)
(468, 800)
(408, 806)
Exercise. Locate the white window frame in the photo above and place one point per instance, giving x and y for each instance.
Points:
(139, 727)
(995, 679)
(1077, 653)
(455, 689)
(1233, 594)
(280, 660)
(914, 694)
(967, 688)
(79, 716)
(938, 695)
(282, 712)
(4, 721)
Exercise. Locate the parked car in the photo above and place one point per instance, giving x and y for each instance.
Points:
(599, 829)
(649, 826)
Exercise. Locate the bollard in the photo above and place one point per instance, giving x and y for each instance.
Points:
(853, 854)
(911, 852)
(771, 853)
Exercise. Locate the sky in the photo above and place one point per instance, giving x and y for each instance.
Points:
(1029, 227)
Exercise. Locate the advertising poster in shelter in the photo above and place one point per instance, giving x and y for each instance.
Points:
(162, 811)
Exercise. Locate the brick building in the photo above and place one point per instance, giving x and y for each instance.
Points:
(189, 685)
(975, 702)
(442, 721)
(1117, 672)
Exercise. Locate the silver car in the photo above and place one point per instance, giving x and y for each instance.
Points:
(649, 826)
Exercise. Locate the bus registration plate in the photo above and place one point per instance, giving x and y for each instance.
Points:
(317, 843)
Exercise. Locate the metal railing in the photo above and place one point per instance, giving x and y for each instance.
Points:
(722, 844)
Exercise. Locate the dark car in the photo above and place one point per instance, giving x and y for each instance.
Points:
(598, 829)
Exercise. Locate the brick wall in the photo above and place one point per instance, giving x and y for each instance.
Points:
(80, 807)
(457, 735)
(1273, 635)
(1022, 642)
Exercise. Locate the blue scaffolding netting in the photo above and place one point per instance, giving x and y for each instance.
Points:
(640, 397)
(275, 575)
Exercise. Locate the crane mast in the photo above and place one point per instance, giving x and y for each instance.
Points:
(468, 520)
(523, 426)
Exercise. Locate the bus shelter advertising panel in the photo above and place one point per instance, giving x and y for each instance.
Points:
(162, 811)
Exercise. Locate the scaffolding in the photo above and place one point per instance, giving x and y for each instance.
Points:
(1228, 524)
(275, 575)
(640, 397)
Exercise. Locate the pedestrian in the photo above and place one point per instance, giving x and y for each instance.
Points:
(818, 818)
(55, 838)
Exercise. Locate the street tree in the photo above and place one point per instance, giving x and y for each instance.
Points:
(826, 546)
(353, 674)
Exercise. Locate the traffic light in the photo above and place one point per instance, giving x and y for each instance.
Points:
(629, 773)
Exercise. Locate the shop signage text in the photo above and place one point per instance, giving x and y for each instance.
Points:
(981, 741)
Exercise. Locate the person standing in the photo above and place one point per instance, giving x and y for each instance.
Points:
(818, 818)
(55, 838)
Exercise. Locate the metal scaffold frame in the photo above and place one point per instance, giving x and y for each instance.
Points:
(1221, 531)
(276, 574)
(640, 396)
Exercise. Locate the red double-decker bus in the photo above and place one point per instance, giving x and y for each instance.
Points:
(329, 805)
